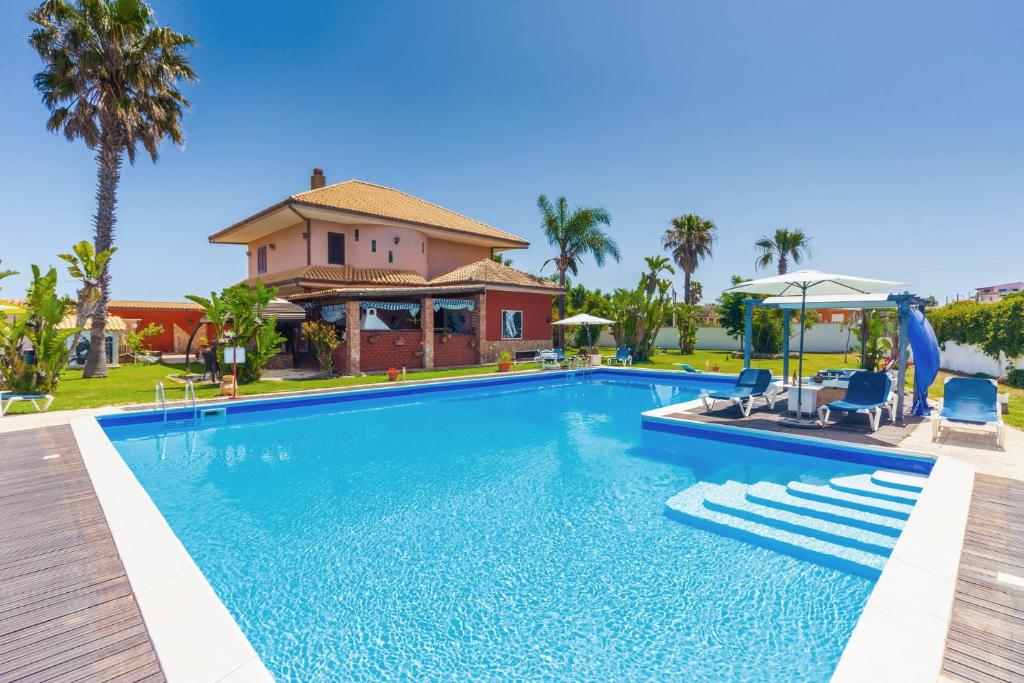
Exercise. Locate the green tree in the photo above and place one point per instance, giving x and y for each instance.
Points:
(503, 260)
(109, 78)
(136, 340)
(88, 267)
(731, 310)
(6, 273)
(690, 240)
(656, 265)
(576, 233)
(781, 248)
(39, 325)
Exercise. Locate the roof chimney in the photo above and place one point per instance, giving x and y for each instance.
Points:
(318, 179)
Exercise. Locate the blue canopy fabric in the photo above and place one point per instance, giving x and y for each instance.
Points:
(414, 309)
(455, 304)
(333, 313)
(926, 359)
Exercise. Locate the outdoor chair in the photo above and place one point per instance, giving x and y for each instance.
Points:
(751, 383)
(970, 401)
(868, 392)
(7, 399)
(549, 359)
(622, 356)
(686, 367)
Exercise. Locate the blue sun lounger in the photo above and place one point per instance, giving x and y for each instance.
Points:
(7, 399)
(970, 401)
(868, 392)
(749, 385)
(686, 367)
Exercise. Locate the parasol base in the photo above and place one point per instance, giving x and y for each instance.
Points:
(800, 423)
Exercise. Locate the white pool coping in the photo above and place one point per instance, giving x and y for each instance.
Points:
(901, 633)
(195, 637)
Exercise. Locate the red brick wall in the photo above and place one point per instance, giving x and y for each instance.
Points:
(536, 310)
(341, 358)
(164, 341)
(460, 349)
(383, 354)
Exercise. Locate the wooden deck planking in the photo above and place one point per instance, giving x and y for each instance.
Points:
(67, 611)
(852, 429)
(985, 643)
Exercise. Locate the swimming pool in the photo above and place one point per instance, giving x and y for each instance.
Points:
(499, 530)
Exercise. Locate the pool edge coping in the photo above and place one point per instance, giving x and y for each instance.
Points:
(195, 638)
(902, 629)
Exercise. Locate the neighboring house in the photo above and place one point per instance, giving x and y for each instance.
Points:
(987, 295)
(177, 318)
(113, 339)
(408, 283)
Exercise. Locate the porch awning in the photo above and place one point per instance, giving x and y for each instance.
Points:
(414, 309)
(333, 313)
(455, 304)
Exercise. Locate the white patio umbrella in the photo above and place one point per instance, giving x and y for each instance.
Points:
(811, 282)
(584, 319)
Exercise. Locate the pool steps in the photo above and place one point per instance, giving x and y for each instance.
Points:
(850, 524)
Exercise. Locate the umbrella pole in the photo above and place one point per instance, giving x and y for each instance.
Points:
(799, 421)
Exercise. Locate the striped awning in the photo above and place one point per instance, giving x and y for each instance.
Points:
(455, 304)
(333, 313)
(414, 309)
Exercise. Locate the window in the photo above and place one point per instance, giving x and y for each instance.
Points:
(391, 256)
(373, 246)
(336, 248)
(357, 234)
(511, 324)
(261, 260)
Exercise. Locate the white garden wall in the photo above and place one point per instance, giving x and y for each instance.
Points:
(969, 359)
(822, 338)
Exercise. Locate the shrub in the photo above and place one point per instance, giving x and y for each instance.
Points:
(1015, 378)
(324, 338)
(136, 341)
(993, 327)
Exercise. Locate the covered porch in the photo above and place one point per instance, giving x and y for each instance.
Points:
(411, 328)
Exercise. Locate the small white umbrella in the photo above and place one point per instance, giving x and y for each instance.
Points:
(811, 282)
(584, 319)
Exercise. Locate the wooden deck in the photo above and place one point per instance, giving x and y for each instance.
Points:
(67, 611)
(850, 429)
(986, 635)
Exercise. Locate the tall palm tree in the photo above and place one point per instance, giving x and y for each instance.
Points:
(690, 240)
(656, 265)
(109, 77)
(785, 246)
(576, 233)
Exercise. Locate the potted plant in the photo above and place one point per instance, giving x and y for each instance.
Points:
(419, 352)
(445, 336)
(227, 385)
(393, 374)
(505, 361)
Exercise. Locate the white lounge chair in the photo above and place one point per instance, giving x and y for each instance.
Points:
(7, 399)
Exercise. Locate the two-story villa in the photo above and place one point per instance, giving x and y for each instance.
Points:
(408, 283)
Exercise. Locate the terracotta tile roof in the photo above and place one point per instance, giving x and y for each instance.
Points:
(155, 305)
(493, 273)
(342, 275)
(376, 290)
(387, 202)
(114, 323)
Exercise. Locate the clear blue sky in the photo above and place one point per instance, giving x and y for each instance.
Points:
(890, 132)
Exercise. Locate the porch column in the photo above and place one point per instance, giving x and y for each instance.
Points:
(481, 326)
(352, 335)
(901, 376)
(427, 323)
(786, 313)
(748, 331)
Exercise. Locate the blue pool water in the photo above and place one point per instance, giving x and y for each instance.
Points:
(502, 532)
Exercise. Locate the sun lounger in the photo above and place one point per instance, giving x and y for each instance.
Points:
(749, 385)
(622, 356)
(686, 367)
(868, 392)
(970, 401)
(8, 399)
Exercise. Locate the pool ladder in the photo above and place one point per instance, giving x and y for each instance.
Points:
(160, 397)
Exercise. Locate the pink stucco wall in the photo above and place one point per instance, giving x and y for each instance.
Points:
(446, 256)
(414, 250)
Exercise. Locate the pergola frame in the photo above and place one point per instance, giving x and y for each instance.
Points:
(901, 303)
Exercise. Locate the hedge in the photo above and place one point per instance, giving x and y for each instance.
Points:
(992, 327)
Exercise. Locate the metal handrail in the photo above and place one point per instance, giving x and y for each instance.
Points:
(190, 390)
(160, 397)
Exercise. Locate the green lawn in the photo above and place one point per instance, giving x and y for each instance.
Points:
(135, 383)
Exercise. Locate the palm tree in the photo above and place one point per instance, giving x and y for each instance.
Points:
(88, 267)
(784, 246)
(656, 265)
(690, 240)
(109, 77)
(576, 233)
